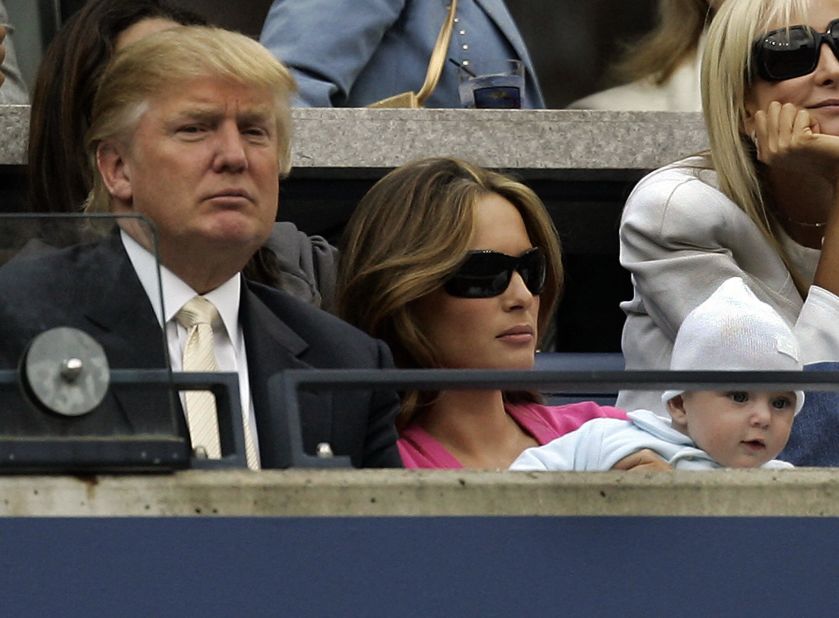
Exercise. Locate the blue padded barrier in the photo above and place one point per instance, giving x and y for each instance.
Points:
(580, 361)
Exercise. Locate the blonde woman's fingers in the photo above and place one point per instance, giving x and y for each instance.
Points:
(760, 133)
(774, 122)
(786, 125)
(803, 122)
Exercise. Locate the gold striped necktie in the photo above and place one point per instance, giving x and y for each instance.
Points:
(198, 316)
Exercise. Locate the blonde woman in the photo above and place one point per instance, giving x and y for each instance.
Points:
(661, 73)
(454, 266)
(761, 204)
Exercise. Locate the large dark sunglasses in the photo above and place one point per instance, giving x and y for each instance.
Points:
(487, 273)
(792, 52)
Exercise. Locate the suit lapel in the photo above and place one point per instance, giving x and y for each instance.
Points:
(273, 347)
(502, 18)
(114, 301)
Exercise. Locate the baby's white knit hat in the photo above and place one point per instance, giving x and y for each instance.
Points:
(734, 331)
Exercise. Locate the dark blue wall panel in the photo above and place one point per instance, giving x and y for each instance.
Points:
(469, 566)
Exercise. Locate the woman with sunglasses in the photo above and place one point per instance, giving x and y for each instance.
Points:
(761, 204)
(458, 267)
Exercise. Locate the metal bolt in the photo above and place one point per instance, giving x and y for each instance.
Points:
(71, 369)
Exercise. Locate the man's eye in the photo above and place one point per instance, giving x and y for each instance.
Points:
(256, 132)
(738, 396)
(191, 129)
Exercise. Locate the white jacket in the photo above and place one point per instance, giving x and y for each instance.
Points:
(680, 238)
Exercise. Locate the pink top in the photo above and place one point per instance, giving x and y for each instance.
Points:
(545, 423)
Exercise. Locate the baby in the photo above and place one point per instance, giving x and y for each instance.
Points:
(731, 330)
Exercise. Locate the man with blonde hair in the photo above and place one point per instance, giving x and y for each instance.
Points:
(191, 128)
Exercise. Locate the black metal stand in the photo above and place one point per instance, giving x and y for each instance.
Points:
(167, 448)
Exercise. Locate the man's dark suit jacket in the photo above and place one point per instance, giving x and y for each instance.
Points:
(94, 288)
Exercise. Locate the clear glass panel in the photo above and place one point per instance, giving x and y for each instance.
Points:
(86, 379)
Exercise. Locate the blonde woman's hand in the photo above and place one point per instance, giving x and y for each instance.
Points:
(788, 137)
(645, 460)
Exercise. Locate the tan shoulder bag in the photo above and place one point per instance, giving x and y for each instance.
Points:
(435, 69)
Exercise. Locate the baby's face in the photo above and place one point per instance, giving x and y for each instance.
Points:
(738, 429)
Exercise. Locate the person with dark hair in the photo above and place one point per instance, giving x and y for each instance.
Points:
(457, 267)
(196, 141)
(60, 174)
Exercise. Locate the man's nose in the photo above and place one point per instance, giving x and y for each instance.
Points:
(230, 152)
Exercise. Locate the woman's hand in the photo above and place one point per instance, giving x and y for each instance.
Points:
(788, 137)
(645, 460)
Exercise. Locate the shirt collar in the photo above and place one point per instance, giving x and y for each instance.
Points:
(176, 292)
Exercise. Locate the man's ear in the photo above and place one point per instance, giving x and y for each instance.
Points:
(676, 408)
(113, 168)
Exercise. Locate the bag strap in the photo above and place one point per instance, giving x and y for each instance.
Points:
(438, 55)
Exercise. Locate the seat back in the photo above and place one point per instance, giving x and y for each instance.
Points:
(580, 361)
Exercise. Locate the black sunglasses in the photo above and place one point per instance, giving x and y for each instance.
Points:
(487, 273)
(792, 52)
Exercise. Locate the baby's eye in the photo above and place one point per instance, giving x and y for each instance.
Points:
(738, 396)
(781, 403)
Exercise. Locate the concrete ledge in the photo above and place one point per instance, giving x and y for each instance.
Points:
(792, 493)
(14, 134)
(336, 139)
(532, 139)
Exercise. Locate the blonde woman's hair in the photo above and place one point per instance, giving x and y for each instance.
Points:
(165, 62)
(408, 234)
(725, 79)
(675, 38)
